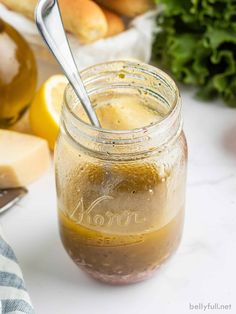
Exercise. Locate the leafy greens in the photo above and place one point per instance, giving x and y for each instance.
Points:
(197, 42)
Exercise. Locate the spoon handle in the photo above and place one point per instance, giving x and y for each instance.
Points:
(50, 25)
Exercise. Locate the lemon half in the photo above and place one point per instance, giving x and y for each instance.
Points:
(46, 108)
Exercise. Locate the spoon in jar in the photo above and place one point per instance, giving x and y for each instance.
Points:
(50, 25)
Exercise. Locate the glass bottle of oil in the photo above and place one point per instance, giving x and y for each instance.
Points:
(18, 75)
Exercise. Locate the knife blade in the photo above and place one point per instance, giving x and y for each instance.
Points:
(9, 197)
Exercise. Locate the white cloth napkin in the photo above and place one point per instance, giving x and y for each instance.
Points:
(135, 42)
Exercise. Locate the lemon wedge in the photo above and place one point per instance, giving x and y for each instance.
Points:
(46, 108)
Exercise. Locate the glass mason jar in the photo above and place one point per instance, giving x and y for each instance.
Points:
(121, 193)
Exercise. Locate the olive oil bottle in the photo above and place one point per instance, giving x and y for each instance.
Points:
(18, 75)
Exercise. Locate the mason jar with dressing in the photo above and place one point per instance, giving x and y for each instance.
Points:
(121, 187)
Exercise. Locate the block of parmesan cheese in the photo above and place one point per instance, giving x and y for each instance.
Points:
(23, 158)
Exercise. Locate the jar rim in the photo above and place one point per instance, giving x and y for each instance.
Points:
(124, 144)
(138, 65)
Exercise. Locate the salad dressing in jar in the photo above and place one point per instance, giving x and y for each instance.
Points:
(121, 188)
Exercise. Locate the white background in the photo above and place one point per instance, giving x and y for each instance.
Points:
(203, 269)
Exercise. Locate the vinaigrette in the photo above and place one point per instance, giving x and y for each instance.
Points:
(121, 187)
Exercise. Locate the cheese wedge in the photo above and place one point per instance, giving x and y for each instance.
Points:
(23, 158)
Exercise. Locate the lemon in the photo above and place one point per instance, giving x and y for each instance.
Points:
(46, 108)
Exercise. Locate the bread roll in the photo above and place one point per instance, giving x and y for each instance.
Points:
(25, 7)
(128, 8)
(115, 23)
(83, 18)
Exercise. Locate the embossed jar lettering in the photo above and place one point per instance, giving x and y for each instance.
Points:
(81, 215)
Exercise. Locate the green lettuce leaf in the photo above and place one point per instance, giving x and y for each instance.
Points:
(197, 43)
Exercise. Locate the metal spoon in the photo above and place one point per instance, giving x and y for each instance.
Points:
(50, 25)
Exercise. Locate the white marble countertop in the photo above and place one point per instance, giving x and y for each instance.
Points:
(203, 269)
